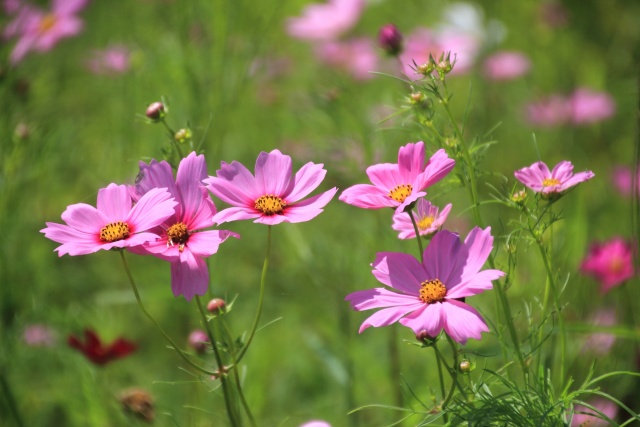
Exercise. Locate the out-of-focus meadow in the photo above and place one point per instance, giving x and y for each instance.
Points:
(73, 120)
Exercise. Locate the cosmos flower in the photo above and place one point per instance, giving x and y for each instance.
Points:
(585, 417)
(428, 294)
(538, 177)
(327, 21)
(110, 61)
(115, 223)
(427, 216)
(99, 353)
(356, 56)
(588, 106)
(400, 184)
(315, 423)
(622, 177)
(506, 65)
(601, 342)
(182, 240)
(271, 196)
(611, 263)
(549, 111)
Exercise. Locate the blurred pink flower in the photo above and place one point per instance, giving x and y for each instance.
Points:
(427, 217)
(182, 240)
(198, 340)
(623, 180)
(356, 56)
(390, 39)
(110, 61)
(506, 65)
(550, 111)
(600, 343)
(429, 292)
(397, 185)
(610, 262)
(315, 423)
(538, 177)
(40, 31)
(38, 336)
(271, 196)
(115, 223)
(589, 106)
(590, 418)
(325, 21)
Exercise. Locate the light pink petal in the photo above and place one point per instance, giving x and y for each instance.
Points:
(189, 277)
(235, 214)
(562, 171)
(155, 175)
(308, 208)
(445, 258)
(228, 192)
(22, 47)
(437, 168)
(74, 242)
(474, 285)
(380, 298)
(191, 171)
(411, 161)
(367, 196)
(479, 243)
(135, 240)
(203, 216)
(114, 202)
(271, 219)
(307, 179)
(385, 317)
(399, 271)
(151, 210)
(462, 321)
(533, 176)
(68, 7)
(206, 243)
(429, 318)
(273, 173)
(85, 218)
(577, 179)
(239, 184)
(386, 176)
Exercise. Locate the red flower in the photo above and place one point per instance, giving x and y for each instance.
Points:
(97, 352)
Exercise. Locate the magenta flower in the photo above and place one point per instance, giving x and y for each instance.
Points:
(399, 185)
(115, 223)
(110, 61)
(429, 292)
(271, 197)
(506, 65)
(357, 56)
(181, 238)
(538, 177)
(427, 216)
(585, 417)
(588, 106)
(325, 21)
(611, 263)
(40, 31)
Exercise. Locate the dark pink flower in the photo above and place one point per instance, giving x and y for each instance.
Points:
(271, 196)
(538, 177)
(99, 353)
(390, 39)
(506, 65)
(429, 292)
(326, 21)
(550, 111)
(588, 106)
(182, 240)
(610, 262)
(110, 61)
(399, 184)
(115, 223)
(585, 417)
(427, 216)
(356, 56)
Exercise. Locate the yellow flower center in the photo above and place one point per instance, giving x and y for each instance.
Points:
(47, 23)
(616, 265)
(432, 291)
(178, 235)
(114, 232)
(270, 204)
(425, 222)
(401, 192)
(550, 182)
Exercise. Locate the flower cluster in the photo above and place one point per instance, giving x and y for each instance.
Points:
(584, 106)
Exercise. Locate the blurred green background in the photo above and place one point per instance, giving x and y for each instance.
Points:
(229, 71)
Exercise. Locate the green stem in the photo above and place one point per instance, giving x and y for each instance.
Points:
(172, 138)
(440, 376)
(11, 402)
(417, 231)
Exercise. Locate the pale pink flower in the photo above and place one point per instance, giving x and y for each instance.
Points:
(429, 292)
(591, 418)
(325, 21)
(550, 111)
(610, 262)
(623, 180)
(38, 336)
(589, 106)
(538, 177)
(506, 65)
(182, 240)
(198, 340)
(427, 216)
(356, 56)
(114, 223)
(315, 423)
(397, 185)
(40, 31)
(600, 342)
(271, 196)
(110, 61)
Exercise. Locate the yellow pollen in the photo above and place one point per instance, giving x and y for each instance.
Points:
(425, 222)
(616, 265)
(178, 234)
(114, 232)
(47, 23)
(401, 192)
(270, 204)
(550, 182)
(432, 291)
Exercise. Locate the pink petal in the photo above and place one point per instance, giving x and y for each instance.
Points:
(367, 197)
(563, 171)
(429, 318)
(411, 160)
(577, 179)
(155, 175)
(191, 171)
(386, 177)
(271, 219)
(273, 173)
(308, 208)
(74, 242)
(151, 210)
(479, 244)
(235, 214)
(445, 258)
(68, 7)
(114, 202)
(437, 168)
(206, 243)
(307, 179)
(202, 217)
(189, 278)
(379, 298)
(475, 284)
(462, 321)
(85, 218)
(385, 317)
(399, 271)
(233, 184)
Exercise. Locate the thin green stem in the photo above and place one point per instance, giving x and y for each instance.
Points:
(440, 376)
(417, 231)
(11, 402)
(171, 133)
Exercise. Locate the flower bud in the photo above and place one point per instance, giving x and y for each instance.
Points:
(466, 366)
(417, 98)
(155, 111)
(216, 305)
(390, 39)
(425, 338)
(183, 135)
(444, 65)
(139, 403)
(519, 197)
(198, 340)
(426, 68)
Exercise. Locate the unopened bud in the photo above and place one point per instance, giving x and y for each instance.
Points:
(216, 305)
(198, 341)
(425, 338)
(519, 197)
(465, 366)
(390, 39)
(155, 111)
(183, 135)
(426, 68)
(417, 98)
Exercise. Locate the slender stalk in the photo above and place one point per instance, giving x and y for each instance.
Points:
(11, 402)
(417, 231)
(172, 138)
(440, 376)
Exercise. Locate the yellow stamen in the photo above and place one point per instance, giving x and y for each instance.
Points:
(401, 192)
(114, 232)
(270, 204)
(425, 222)
(550, 182)
(432, 291)
(178, 234)
(47, 23)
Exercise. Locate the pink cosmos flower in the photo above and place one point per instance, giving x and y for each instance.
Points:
(271, 196)
(115, 223)
(588, 106)
(538, 177)
(623, 180)
(325, 21)
(427, 217)
(110, 61)
(40, 31)
(590, 418)
(550, 111)
(611, 263)
(181, 239)
(600, 342)
(398, 185)
(315, 423)
(357, 56)
(429, 292)
(506, 65)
